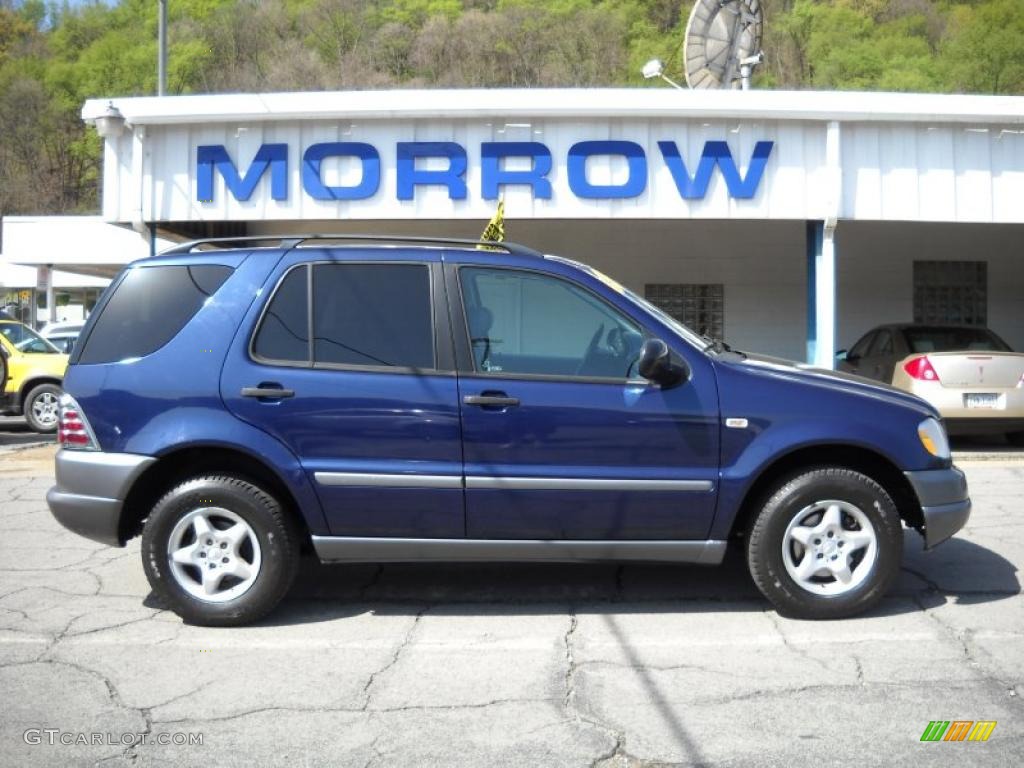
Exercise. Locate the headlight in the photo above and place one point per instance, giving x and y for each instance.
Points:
(933, 438)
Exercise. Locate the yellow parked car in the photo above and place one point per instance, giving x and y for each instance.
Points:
(34, 372)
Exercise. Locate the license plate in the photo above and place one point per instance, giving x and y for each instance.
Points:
(981, 400)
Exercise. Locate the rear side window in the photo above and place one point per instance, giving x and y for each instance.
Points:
(372, 315)
(284, 331)
(148, 309)
(860, 349)
(882, 344)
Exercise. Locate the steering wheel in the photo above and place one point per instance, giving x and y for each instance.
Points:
(617, 341)
(594, 341)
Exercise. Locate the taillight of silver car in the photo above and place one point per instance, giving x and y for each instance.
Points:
(920, 368)
(73, 430)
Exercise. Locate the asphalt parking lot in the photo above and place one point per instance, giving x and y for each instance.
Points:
(508, 665)
(14, 431)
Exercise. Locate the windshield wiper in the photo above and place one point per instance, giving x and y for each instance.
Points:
(718, 347)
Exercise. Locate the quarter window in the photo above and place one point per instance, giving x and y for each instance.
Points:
(528, 323)
(148, 309)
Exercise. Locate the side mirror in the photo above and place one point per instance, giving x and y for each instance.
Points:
(841, 355)
(657, 364)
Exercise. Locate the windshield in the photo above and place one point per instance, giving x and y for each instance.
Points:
(691, 336)
(938, 339)
(26, 340)
(683, 330)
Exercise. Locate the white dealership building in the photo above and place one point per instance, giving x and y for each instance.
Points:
(789, 222)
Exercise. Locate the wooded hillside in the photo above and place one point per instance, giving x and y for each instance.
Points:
(54, 56)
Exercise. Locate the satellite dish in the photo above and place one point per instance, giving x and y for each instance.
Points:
(723, 42)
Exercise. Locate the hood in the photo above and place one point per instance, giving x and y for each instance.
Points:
(823, 377)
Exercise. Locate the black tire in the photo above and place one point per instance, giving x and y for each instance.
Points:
(797, 493)
(42, 396)
(274, 530)
(1016, 438)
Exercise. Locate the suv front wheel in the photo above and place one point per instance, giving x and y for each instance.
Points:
(219, 551)
(827, 544)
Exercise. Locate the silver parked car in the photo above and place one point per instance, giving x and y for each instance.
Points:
(63, 335)
(970, 374)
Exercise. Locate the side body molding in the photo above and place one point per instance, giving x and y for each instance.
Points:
(350, 549)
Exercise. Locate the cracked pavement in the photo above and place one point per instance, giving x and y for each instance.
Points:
(484, 665)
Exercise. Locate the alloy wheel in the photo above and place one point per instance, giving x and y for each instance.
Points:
(45, 409)
(829, 547)
(214, 554)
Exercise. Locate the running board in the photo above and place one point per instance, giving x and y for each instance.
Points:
(352, 549)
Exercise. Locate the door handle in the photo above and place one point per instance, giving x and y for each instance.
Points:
(491, 400)
(267, 392)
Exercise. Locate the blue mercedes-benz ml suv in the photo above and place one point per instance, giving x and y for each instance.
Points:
(413, 400)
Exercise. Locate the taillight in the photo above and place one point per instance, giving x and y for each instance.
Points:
(920, 368)
(73, 430)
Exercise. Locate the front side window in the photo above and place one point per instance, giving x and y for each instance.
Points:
(25, 340)
(534, 324)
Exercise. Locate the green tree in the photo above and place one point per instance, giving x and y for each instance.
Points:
(984, 48)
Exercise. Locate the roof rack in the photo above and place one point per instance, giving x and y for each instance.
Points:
(288, 242)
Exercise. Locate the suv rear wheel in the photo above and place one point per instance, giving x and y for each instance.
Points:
(220, 551)
(827, 544)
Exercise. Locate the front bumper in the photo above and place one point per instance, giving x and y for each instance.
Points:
(91, 489)
(945, 504)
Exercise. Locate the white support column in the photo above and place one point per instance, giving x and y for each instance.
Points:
(44, 281)
(825, 258)
(825, 298)
(139, 177)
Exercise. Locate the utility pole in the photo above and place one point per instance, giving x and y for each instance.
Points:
(161, 70)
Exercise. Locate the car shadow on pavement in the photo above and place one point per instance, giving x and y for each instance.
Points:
(959, 571)
(15, 431)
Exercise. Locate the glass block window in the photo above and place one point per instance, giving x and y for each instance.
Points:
(951, 292)
(698, 306)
